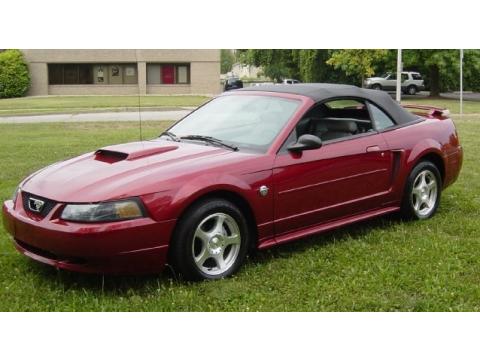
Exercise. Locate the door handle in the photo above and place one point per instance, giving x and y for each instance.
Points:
(373, 148)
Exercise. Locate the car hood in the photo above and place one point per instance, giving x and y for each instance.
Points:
(125, 170)
(375, 78)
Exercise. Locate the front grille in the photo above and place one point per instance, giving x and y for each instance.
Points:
(37, 251)
(46, 208)
(48, 255)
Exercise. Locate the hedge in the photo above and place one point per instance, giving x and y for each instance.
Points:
(14, 75)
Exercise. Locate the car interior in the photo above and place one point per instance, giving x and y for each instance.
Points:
(336, 119)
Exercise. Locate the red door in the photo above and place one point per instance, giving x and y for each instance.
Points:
(168, 74)
(340, 179)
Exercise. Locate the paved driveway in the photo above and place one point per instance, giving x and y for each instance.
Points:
(98, 116)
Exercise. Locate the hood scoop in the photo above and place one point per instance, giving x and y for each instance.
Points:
(115, 153)
(109, 156)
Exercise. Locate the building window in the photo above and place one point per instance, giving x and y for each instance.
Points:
(168, 74)
(100, 74)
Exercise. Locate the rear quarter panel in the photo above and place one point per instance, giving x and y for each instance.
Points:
(428, 136)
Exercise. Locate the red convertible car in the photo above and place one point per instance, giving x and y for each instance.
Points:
(250, 169)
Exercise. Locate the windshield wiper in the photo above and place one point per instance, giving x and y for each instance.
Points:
(171, 136)
(210, 140)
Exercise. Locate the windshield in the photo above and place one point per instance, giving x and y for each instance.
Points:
(246, 121)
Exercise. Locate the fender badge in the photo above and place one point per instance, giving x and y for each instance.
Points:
(263, 190)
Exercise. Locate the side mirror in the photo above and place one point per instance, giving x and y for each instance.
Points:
(306, 142)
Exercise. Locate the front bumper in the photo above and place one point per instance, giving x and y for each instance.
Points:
(124, 247)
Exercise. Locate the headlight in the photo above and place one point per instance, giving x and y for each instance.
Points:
(106, 211)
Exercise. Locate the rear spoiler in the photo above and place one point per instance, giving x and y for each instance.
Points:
(430, 110)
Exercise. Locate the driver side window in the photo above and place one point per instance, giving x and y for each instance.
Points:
(336, 119)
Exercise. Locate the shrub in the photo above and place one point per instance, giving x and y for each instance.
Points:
(14, 75)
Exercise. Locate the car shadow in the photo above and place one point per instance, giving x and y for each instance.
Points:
(122, 285)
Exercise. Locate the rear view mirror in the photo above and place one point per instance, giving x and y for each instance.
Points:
(306, 142)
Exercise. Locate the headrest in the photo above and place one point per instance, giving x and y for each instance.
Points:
(342, 125)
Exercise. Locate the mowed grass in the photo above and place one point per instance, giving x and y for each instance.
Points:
(379, 265)
(77, 104)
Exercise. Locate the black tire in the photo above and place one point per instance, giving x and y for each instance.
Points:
(411, 90)
(181, 254)
(408, 210)
(377, 87)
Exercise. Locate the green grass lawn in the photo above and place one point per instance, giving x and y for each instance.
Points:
(379, 265)
(76, 104)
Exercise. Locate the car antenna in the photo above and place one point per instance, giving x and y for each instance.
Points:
(138, 98)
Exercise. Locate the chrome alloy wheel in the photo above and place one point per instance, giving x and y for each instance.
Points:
(216, 244)
(424, 193)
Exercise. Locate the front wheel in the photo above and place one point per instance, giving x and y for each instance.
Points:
(210, 241)
(422, 191)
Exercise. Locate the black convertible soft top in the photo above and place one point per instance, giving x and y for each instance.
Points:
(320, 92)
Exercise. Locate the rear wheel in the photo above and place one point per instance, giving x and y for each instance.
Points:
(412, 90)
(422, 192)
(211, 241)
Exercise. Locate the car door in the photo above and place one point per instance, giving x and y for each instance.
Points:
(391, 82)
(405, 80)
(344, 177)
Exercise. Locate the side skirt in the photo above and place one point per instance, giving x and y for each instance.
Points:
(325, 227)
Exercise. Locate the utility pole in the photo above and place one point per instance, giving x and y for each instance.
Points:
(399, 76)
(461, 82)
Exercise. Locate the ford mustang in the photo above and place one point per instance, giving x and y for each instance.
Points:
(251, 169)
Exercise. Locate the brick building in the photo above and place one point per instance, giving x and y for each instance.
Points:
(123, 72)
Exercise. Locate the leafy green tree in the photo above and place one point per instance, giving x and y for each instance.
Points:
(276, 63)
(441, 68)
(471, 70)
(14, 75)
(307, 65)
(227, 59)
(311, 65)
(357, 62)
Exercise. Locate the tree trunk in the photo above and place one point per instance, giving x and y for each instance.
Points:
(434, 81)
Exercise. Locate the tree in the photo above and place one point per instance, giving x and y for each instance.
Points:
(471, 70)
(441, 68)
(312, 65)
(14, 75)
(357, 62)
(438, 66)
(307, 65)
(227, 59)
(277, 64)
